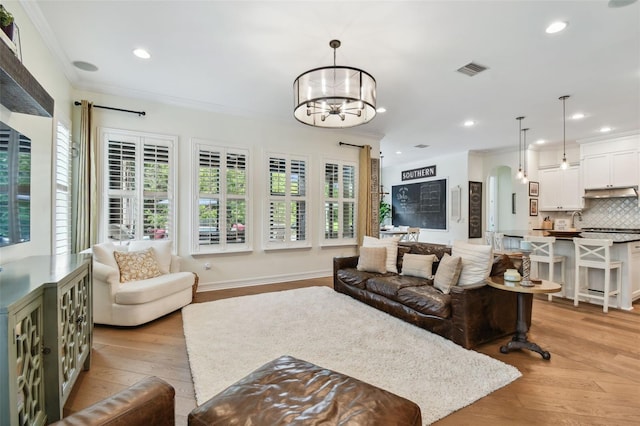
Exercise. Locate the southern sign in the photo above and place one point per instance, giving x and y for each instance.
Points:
(422, 172)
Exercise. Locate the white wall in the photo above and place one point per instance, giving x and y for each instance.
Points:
(521, 220)
(37, 59)
(289, 136)
(461, 168)
(454, 168)
(259, 137)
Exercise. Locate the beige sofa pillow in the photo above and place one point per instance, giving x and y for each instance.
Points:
(447, 273)
(372, 259)
(391, 244)
(476, 261)
(137, 265)
(418, 265)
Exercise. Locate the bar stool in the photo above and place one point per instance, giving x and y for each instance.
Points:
(498, 242)
(543, 252)
(413, 234)
(596, 253)
(488, 238)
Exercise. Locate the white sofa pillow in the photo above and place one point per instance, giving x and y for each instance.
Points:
(476, 261)
(161, 248)
(391, 244)
(103, 253)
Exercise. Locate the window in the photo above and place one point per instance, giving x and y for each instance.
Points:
(139, 186)
(340, 192)
(287, 220)
(62, 210)
(221, 207)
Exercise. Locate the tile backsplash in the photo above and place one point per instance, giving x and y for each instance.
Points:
(611, 213)
(604, 213)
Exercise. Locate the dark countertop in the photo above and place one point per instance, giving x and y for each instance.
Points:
(614, 236)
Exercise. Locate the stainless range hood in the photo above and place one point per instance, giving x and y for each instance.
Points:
(627, 192)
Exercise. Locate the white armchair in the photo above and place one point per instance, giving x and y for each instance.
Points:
(138, 301)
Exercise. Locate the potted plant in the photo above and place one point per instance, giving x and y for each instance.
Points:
(384, 211)
(6, 22)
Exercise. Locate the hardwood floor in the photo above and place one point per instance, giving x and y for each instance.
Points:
(593, 377)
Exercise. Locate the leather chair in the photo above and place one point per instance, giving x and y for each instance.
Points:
(151, 401)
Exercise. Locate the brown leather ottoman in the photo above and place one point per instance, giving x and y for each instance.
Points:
(289, 391)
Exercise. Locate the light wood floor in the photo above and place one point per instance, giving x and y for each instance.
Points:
(593, 377)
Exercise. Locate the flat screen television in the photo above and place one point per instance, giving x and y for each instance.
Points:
(15, 186)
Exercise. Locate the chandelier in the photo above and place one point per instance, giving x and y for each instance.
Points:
(334, 96)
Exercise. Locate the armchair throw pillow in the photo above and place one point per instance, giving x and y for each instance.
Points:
(103, 253)
(137, 265)
(418, 265)
(372, 259)
(161, 249)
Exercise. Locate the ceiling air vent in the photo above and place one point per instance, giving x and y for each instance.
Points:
(421, 145)
(471, 69)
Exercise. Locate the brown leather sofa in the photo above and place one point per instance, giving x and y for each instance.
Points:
(148, 402)
(289, 391)
(469, 315)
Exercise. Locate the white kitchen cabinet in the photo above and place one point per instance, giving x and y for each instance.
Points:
(610, 170)
(634, 270)
(560, 189)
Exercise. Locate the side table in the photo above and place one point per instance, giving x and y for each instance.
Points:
(519, 340)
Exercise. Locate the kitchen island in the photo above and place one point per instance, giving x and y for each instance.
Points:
(626, 248)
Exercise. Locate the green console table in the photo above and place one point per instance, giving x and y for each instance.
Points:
(46, 325)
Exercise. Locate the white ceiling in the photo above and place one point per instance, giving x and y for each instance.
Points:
(241, 57)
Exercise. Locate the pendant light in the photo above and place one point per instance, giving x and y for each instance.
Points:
(564, 163)
(334, 96)
(525, 178)
(519, 175)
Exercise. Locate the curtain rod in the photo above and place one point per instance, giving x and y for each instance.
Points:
(350, 144)
(114, 109)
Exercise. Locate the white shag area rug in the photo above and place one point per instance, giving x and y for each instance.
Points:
(227, 339)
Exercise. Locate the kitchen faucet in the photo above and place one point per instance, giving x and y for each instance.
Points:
(573, 218)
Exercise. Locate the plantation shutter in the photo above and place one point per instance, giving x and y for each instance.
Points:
(62, 211)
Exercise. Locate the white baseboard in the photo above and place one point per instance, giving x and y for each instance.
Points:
(223, 285)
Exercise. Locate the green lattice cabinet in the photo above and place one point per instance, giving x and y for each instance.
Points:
(46, 317)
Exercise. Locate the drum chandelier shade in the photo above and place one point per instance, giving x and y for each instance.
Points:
(334, 96)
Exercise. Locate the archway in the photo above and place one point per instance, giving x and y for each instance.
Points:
(500, 215)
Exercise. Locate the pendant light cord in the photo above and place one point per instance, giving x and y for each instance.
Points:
(564, 131)
(564, 127)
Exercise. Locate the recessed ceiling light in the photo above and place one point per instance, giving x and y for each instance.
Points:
(605, 129)
(381, 109)
(556, 27)
(142, 53)
(469, 123)
(540, 141)
(578, 116)
(85, 66)
(398, 152)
